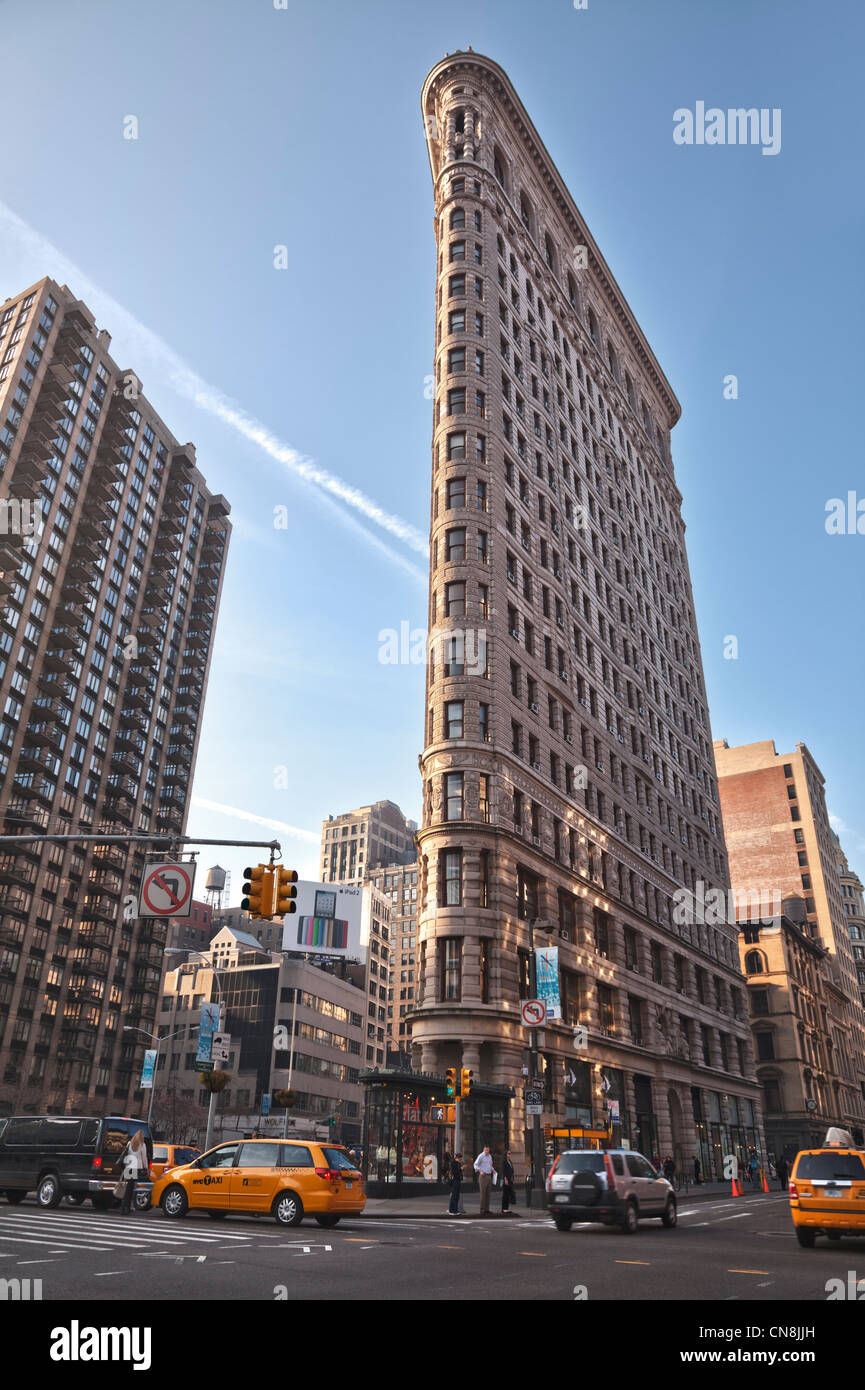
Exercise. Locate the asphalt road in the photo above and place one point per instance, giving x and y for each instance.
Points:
(722, 1250)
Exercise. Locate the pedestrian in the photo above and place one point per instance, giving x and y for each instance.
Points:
(753, 1166)
(782, 1169)
(508, 1191)
(485, 1168)
(136, 1166)
(697, 1178)
(669, 1168)
(456, 1180)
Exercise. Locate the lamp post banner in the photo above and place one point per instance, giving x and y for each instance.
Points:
(547, 969)
(148, 1068)
(207, 1027)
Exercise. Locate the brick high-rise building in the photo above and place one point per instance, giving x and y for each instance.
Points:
(110, 578)
(357, 841)
(779, 840)
(853, 904)
(567, 768)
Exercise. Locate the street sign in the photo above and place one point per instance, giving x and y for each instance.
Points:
(166, 890)
(581, 1038)
(534, 1102)
(204, 1066)
(533, 1013)
(220, 1047)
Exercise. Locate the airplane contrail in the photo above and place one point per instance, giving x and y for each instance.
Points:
(187, 382)
(314, 837)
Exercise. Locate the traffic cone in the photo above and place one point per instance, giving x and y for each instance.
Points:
(765, 1183)
(737, 1188)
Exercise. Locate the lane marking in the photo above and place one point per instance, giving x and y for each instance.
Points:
(539, 1255)
(108, 1273)
(749, 1271)
(737, 1217)
(632, 1262)
(450, 1247)
(36, 1262)
(358, 1240)
(22, 1240)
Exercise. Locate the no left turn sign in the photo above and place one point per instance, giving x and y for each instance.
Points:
(533, 1013)
(167, 890)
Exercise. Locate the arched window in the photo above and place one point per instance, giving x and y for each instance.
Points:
(572, 290)
(754, 963)
(458, 219)
(593, 327)
(549, 251)
(612, 359)
(526, 216)
(460, 123)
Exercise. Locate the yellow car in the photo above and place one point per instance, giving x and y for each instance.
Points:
(266, 1176)
(827, 1193)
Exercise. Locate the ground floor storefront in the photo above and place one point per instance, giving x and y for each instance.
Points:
(410, 1131)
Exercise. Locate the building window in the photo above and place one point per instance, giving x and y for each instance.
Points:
(484, 893)
(602, 932)
(484, 723)
(605, 1008)
(455, 547)
(451, 887)
(454, 719)
(484, 796)
(527, 895)
(485, 953)
(451, 968)
(453, 796)
(456, 493)
(765, 1046)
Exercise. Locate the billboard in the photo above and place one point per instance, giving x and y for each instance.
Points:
(327, 922)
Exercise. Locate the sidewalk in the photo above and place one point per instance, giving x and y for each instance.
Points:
(436, 1204)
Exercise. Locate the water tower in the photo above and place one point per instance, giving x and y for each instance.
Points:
(216, 886)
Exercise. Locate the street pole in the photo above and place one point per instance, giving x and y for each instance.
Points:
(290, 1057)
(536, 1119)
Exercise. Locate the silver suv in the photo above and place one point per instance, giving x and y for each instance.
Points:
(615, 1186)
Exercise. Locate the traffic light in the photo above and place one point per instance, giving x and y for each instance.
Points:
(466, 1082)
(451, 1083)
(258, 891)
(331, 1120)
(284, 892)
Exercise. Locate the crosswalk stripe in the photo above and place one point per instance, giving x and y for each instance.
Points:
(77, 1245)
(119, 1233)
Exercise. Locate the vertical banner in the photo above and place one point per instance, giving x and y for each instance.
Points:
(148, 1069)
(265, 1102)
(207, 1027)
(547, 971)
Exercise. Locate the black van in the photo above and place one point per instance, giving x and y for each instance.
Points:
(72, 1156)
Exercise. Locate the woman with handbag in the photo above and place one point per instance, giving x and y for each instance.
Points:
(136, 1166)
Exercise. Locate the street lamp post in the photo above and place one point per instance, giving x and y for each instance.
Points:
(211, 1109)
(533, 1045)
(154, 1037)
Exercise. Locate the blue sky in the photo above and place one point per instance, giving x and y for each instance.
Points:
(301, 128)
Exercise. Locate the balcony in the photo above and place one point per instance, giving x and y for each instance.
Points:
(16, 871)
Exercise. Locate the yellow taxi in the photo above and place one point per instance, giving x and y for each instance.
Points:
(167, 1156)
(285, 1179)
(827, 1190)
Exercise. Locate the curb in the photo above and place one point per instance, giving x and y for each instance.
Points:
(681, 1199)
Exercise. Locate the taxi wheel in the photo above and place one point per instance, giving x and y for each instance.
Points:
(288, 1209)
(174, 1201)
(805, 1237)
(327, 1220)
